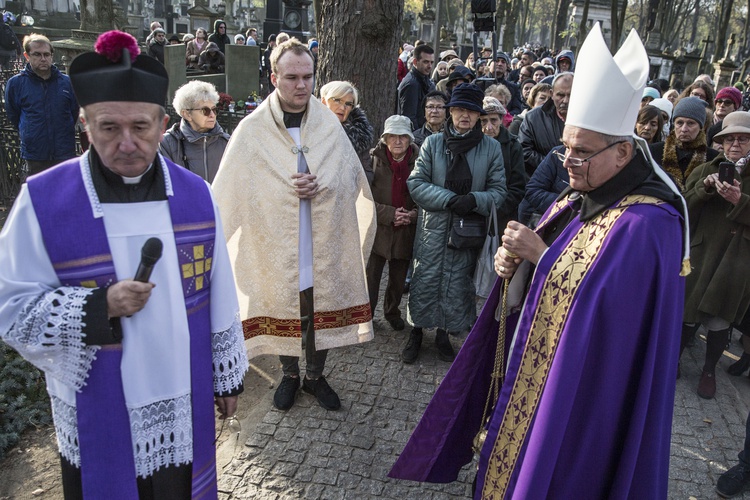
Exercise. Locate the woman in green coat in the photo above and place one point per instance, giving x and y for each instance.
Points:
(459, 172)
(717, 291)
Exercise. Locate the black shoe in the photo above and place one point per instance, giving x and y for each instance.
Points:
(740, 366)
(690, 341)
(444, 347)
(411, 351)
(283, 399)
(733, 482)
(397, 324)
(322, 392)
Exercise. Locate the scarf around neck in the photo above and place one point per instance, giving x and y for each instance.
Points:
(458, 177)
(400, 171)
(670, 162)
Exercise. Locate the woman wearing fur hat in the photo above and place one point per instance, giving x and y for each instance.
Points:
(393, 159)
(459, 175)
(685, 147)
(343, 99)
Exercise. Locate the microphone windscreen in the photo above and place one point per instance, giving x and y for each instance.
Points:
(151, 251)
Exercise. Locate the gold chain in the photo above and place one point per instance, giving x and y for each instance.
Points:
(498, 374)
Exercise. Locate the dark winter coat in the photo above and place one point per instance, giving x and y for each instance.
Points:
(719, 284)
(515, 125)
(442, 287)
(411, 92)
(221, 40)
(200, 153)
(515, 177)
(211, 61)
(45, 113)
(391, 242)
(549, 180)
(156, 50)
(361, 134)
(683, 155)
(540, 131)
(422, 133)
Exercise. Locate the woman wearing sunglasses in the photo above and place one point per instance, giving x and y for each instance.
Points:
(197, 142)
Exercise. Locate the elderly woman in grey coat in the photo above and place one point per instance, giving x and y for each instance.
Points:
(197, 142)
(459, 173)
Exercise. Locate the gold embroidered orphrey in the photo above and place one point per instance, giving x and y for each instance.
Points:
(559, 291)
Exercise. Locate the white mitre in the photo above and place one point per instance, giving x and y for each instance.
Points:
(607, 91)
(606, 97)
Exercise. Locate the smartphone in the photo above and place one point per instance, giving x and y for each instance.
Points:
(726, 172)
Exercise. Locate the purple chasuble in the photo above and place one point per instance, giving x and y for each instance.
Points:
(79, 252)
(586, 407)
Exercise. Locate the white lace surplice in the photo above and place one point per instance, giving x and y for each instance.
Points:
(156, 344)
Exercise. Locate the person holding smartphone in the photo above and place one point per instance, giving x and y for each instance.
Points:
(717, 292)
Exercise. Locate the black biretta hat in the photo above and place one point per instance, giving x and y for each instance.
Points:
(115, 72)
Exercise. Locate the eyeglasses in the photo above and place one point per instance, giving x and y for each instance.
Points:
(206, 110)
(577, 162)
(698, 95)
(434, 108)
(347, 104)
(724, 102)
(41, 55)
(742, 140)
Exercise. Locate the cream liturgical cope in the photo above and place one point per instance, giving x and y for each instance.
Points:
(261, 213)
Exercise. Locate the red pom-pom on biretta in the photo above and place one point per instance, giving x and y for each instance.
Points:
(111, 43)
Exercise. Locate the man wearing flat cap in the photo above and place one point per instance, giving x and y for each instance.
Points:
(134, 366)
(583, 406)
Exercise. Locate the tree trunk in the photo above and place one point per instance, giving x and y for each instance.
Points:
(696, 17)
(721, 33)
(561, 22)
(745, 37)
(582, 28)
(317, 8)
(370, 64)
(509, 35)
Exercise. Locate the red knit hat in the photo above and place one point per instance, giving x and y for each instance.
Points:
(731, 93)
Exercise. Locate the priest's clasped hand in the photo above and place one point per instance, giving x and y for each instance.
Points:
(127, 297)
(306, 185)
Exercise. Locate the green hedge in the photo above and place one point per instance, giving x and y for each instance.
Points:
(23, 398)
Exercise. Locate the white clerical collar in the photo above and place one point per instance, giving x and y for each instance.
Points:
(136, 179)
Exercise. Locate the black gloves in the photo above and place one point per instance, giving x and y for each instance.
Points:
(462, 204)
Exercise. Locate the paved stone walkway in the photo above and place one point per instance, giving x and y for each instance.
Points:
(310, 453)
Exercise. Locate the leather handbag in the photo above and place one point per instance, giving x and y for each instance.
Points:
(467, 232)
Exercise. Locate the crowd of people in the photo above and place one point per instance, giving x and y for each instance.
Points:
(607, 212)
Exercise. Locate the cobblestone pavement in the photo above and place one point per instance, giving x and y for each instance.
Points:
(310, 453)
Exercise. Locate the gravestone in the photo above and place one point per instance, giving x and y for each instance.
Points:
(174, 62)
(242, 70)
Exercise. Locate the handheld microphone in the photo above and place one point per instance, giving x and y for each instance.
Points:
(150, 253)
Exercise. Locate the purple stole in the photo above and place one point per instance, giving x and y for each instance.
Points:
(80, 254)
